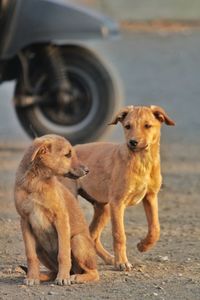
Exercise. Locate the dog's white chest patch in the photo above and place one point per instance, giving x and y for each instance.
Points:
(43, 229)
(38, 219)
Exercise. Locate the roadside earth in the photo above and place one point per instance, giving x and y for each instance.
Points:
(169, 271)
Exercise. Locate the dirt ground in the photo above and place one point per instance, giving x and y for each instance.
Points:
(169, 271)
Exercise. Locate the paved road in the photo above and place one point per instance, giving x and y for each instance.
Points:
(155, 69)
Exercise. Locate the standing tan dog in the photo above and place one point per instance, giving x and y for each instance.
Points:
(122, 175)
(52, 222)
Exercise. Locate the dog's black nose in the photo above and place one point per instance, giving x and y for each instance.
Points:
(133, 143)
(86, 170)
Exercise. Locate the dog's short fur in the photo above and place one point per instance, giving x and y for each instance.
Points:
(52, 223)
(122, 175)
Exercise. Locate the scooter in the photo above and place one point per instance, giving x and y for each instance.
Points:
(62, 86)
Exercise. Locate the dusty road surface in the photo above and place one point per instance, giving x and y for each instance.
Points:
(155, 69)
(169, 271)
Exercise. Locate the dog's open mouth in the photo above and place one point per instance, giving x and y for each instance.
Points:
(137, 149)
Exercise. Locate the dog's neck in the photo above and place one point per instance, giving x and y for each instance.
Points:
(155, 150)
(38, 177)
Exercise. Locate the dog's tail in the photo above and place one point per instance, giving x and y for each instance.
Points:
(44, 276)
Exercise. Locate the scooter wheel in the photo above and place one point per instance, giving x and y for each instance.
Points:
(96, 98)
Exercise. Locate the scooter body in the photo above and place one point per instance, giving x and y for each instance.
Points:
(26, 22)
(57, 77)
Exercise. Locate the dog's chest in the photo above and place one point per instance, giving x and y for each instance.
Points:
(136, 186)
(43, 228)
(38, 218)
(135, 196)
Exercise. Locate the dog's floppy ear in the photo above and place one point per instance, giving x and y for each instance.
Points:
(161, 115)
(40, 149)
(120, 116)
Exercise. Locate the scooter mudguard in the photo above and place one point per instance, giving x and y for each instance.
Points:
(42, 21)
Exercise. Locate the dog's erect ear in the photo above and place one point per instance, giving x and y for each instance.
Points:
(161, 115)
(120, 116)
(40, 149)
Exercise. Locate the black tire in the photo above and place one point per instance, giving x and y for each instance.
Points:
(99, 101)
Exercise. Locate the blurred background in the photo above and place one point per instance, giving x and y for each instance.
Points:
(133, 10)
(155, 61)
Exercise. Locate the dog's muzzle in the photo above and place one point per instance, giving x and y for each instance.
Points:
(133, 146)
(77, 173)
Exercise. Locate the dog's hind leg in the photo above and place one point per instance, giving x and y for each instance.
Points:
(100, 219)
(85, 257)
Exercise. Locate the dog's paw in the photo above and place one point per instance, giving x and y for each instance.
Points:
(76, 279)
(62, 281)
(73, 279)
(124, 266)
(143, 247)
(31, 281)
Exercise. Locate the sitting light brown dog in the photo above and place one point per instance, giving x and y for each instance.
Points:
(52, 223)
(122, 175)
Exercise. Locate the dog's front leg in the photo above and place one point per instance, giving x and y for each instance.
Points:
(64, 250)
(119, 237)
(150, 203)
(33, 274)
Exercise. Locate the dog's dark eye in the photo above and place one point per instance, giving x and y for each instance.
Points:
(69, 154)
(128, 126)
(147, 126)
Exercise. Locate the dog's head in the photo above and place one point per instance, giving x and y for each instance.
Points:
(141, 125)
(54, 155)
